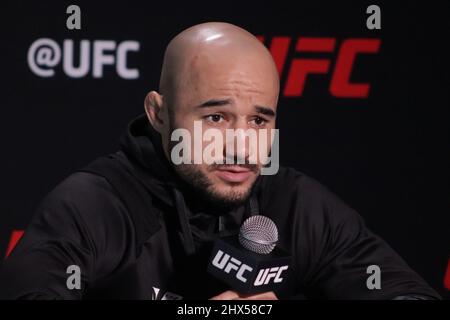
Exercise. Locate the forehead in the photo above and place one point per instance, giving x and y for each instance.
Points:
(211, 72)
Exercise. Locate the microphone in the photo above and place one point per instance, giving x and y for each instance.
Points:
(251, 262)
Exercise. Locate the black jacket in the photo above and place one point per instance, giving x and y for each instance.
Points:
(136, 232)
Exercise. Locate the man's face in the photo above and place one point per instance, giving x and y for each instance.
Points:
(224, 95)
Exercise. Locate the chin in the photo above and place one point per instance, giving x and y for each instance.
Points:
(232, 192)
(238, 192)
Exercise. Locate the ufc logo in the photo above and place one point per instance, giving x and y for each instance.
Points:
(300, 68)
(227, 263)
(265, 275)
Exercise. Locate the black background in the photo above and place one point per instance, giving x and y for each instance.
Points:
(386, 155)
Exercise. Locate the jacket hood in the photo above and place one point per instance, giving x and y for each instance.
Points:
(142, 146)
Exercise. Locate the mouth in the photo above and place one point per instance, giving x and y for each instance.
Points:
(233, 173)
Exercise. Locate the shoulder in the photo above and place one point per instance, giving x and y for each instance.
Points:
(290, 183)
(89, 194)
(84, 207)
(301, 197)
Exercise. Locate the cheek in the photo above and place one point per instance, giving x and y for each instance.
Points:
(260, 149)
(183, 121)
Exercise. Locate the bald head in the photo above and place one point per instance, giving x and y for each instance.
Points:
(210, 47)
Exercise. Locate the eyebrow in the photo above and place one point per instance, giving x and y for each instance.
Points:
(265, 110)
(218, 103)
(214, 103)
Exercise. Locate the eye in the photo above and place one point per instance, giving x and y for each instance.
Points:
(258, 121)
(215, 118)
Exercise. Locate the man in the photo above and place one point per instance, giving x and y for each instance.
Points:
(136, 225)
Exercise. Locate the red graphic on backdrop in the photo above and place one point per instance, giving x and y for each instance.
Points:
(15, 237)
(300, 68)
(447, 277)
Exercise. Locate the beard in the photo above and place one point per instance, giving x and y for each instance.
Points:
(204, 188)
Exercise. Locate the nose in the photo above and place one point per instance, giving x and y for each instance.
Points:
(237, 147)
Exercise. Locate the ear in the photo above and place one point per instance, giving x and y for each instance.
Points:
(154, 109)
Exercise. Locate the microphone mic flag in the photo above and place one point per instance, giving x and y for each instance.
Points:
(251, 262)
